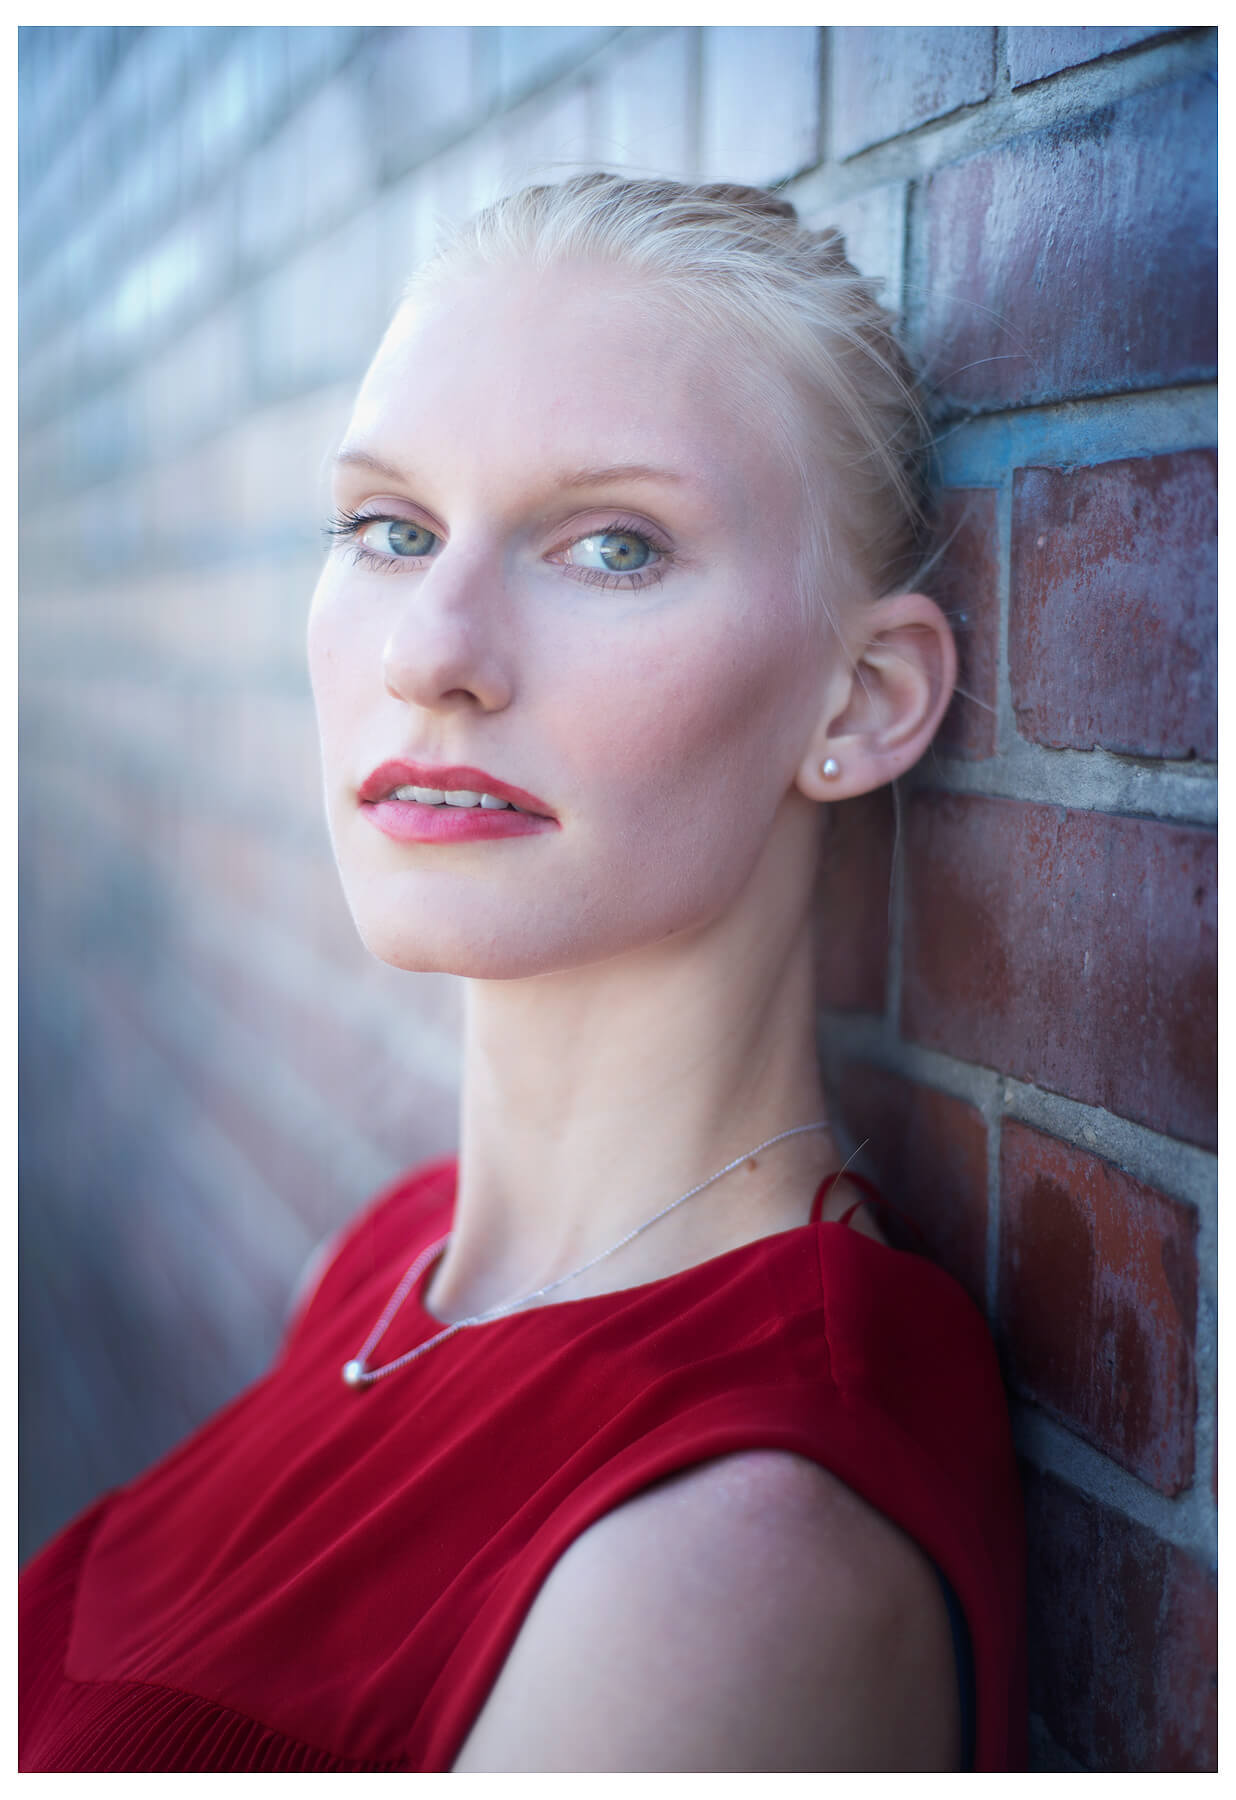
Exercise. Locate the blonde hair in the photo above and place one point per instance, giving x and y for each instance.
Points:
(740, 260)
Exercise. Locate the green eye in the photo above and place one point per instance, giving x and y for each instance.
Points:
(617, 551)
(398, 537)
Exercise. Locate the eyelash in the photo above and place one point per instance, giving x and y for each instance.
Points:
(345, 528)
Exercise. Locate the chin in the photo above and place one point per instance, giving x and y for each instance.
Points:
(511, 948)
(448, 953)
(512, 926)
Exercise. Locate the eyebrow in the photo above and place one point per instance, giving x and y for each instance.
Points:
(616, 472)
(577, 478)
(362, 459)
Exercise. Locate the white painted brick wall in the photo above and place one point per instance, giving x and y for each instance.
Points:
(874, 226)
(646, 105)
(760, 101)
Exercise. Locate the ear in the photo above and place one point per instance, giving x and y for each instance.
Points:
(884, 701)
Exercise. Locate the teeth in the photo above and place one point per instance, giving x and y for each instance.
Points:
(450, 797)
(426, 796)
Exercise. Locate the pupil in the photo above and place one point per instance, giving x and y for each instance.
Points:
(623, 550)
(406, 539)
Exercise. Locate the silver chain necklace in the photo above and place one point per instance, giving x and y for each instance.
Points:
(358, 1374)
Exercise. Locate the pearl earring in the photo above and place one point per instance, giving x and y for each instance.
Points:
(830, 768)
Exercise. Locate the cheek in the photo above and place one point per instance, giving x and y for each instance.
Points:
(321, 636)
(697, 737)
(340, 652)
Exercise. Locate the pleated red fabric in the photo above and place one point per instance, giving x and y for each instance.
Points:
(331, 1579)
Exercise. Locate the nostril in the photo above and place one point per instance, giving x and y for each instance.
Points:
(422, 683)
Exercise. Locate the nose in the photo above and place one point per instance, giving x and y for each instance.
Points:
(446, 648)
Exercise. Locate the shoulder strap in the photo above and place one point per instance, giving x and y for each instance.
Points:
(826, 1186)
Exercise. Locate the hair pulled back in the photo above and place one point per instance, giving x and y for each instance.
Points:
(741, 261)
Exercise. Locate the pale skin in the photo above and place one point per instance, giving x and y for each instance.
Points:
(639, 1006)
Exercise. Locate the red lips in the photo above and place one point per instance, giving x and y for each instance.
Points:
(391, 775)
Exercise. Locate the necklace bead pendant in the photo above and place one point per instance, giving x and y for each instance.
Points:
(356, 1375)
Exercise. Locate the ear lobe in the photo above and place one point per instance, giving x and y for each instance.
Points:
(900, 683)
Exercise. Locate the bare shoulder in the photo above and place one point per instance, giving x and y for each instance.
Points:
(752, 1614)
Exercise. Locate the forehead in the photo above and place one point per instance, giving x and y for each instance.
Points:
(577, 363)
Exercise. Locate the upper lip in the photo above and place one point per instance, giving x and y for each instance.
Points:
(390, 775)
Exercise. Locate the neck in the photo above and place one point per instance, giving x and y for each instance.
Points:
(594, 1096)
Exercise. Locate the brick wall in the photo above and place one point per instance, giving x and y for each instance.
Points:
(215, 222)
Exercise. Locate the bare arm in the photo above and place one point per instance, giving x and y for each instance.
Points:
(750, 1615)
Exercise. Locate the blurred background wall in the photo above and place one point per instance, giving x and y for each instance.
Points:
(215, 225)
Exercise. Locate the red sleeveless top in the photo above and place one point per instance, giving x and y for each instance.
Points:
(331, 1579)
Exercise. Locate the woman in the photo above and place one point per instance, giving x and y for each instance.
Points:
(625, 1442)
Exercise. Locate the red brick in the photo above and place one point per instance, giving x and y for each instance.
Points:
(966, 584)
(852, 900)
(1098, 1302)
(1079, 260)
(360, 1075)
(1071, 949)
(928, 1152)
(288, 1166)
(1038, 50)
(1122, 1637)
(889, 79)
(1113, 606)
(222, 855)
(1046, 1756)
(315, 911)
